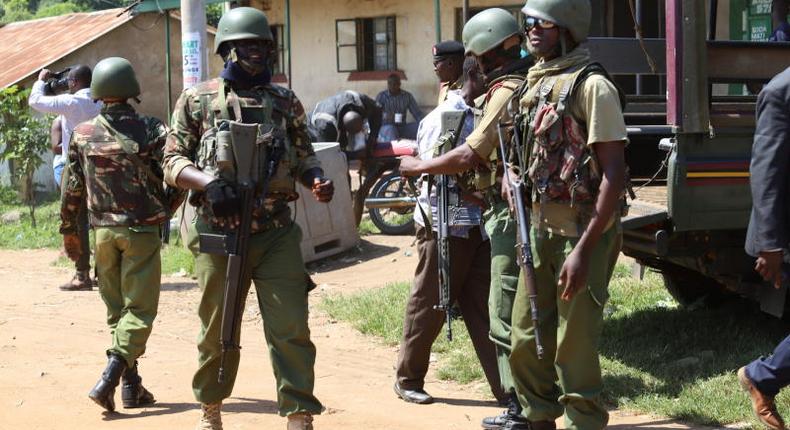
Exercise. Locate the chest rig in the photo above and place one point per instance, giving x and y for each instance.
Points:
(562, 168)
(251, 115)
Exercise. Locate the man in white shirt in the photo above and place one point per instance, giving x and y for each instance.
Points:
(73, 108)
(470, 256)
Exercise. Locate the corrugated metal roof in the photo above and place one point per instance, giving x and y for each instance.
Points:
(29, 46)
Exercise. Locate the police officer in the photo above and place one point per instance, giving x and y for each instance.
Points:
(577, 176)
(115, 163)
(494, 39)
(448, 62)
(244, 93)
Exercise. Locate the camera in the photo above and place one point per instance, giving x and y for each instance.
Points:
(57, 83)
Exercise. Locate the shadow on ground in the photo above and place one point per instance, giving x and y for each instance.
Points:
(364, 251)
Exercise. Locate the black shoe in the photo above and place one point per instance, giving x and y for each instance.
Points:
(413, 396)
(542, 425)
(104, 391)
(511, 416)
(133, 394)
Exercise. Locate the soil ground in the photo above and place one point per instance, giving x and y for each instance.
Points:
(52, 343)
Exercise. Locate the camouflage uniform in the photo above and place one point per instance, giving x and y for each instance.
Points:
(278, 272)
(126, 209)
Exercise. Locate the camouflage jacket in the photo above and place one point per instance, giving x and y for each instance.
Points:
(118, 189)
(192, 142)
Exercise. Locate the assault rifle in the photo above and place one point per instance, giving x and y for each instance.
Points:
(246, 151)
(452, 124)
(524, 257)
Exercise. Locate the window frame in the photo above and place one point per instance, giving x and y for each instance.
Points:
(280, 66)
(365, 50)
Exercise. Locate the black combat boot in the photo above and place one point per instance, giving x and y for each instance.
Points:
(509, 419)
(133, 394)
(104, 391)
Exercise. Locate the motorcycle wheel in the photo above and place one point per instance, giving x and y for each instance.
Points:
(392, 221)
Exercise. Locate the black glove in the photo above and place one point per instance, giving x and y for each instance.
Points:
(222, 198)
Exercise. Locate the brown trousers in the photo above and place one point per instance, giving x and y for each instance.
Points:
(470, 275)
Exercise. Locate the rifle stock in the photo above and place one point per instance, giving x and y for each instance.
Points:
(524, 257)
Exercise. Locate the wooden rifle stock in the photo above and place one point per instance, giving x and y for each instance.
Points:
(524, 257)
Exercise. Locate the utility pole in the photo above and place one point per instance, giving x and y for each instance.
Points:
(193, 42)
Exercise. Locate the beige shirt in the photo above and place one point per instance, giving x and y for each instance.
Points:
(484, 140)
(597, 104)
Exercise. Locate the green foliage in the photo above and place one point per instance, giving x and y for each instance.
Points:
(213, 13)
(23, 138)
(15, 10)
(55, 8)
(656, 357)
(23, 235)
(367, 227)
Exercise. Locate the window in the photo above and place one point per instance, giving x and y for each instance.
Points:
(279, 66)
(366, 44)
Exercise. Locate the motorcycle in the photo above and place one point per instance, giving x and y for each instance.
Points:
(389, 199)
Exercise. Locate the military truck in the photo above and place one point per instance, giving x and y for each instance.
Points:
(689, 222)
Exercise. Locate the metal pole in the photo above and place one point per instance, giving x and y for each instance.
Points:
(193, 42)
(168, 70)
(638, 23)
(288, 37)
(437, 8)
(465, 11)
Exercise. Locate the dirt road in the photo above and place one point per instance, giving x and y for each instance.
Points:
(52, 342)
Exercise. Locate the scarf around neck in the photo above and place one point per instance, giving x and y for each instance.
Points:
(235, 73)
(553, 67)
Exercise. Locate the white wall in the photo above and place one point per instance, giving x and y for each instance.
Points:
(314, 56)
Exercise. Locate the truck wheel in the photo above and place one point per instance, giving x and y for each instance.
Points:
(688, 286)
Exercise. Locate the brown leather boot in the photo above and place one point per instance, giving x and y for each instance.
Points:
(211, 416)
(80, 282)
(300, 421)
(763, 406)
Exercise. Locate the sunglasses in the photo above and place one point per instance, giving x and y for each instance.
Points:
(531, 22)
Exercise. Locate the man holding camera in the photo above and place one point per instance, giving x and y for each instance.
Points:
(73, 107)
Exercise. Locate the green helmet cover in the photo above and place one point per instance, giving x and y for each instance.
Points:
(487, 30)
(114, 77)
(242, 23)
(572, 15)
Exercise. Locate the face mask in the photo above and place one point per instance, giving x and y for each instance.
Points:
(251, 67)
(358, 142)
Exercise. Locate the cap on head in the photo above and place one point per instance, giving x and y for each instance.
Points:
(572, 15)
(448, 48)
(114, 78)
(487, 30)
(242, 23)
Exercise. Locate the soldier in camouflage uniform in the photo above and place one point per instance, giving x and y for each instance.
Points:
(493, 38)
(244, 93)
(114, 160)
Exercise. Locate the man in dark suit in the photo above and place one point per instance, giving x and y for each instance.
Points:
(768, 235)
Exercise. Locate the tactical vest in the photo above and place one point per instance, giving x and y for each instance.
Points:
(248, 106)
(562, 168)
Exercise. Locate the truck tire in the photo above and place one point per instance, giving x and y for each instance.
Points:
(688, 286)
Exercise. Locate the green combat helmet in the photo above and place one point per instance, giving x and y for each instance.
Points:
(573, 15)
(487, 30)
(114, 77)
(242, 23)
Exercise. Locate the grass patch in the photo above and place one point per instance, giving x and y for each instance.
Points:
(366, 227)
(656, 357)
(22, 235)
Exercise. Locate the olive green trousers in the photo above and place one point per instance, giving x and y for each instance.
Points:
(501, 229)
(281, 285)
(129, 270)
(568, 378)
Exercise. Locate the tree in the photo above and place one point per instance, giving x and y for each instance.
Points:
(23, 138)
(56, 8)
(15, 10)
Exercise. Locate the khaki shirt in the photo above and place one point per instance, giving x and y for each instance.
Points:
(597, 104)
(484, 140)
